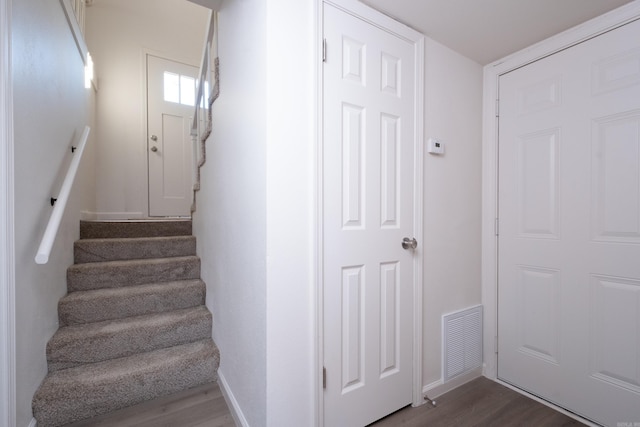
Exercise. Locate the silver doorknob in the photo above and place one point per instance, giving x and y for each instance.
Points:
(408, 243)
(154, 138)
(154, 149)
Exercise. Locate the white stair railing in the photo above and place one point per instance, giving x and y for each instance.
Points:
(207, 93)
(59, 204)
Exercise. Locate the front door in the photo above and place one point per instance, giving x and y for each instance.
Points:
(171, 89)
(569, 235)
(368, 181)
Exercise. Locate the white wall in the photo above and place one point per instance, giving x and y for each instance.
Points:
(292, 59)
(230, 220)
(452, 195)
(255, 210)
(47, 74)
(119, 34)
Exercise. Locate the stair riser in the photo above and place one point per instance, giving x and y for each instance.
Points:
(134, 301)
(71, 350)
(86, 251)
(117, 229)
(104, 275)
(60, 401)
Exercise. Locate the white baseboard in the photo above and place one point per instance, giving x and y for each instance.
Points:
(125, 216)
(232, 403)
(438, 388)
(33, 423)
(111, 216)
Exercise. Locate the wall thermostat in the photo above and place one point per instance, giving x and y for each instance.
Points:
(435, 146)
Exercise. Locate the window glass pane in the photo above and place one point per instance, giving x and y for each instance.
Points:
(207, 93)
(187, 91)
(171, 87)
(204, 102)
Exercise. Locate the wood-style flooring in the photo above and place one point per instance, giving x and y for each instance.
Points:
(480, 402)
(202, 406)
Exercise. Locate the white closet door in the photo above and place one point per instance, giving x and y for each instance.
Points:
(569, 212)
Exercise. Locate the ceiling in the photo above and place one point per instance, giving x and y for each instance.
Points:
(487, 30)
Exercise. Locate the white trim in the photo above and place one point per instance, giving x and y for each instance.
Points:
(111, 216)
(418, 217)
(377, 19)
(232, 402)
(398, 29)
(492, 72)
(548, 404)
(7, 240)
(438, 388)
(318, 229)
(75, 29)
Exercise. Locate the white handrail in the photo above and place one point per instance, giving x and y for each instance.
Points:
(208, 91)
(205, 69)
(42, 257)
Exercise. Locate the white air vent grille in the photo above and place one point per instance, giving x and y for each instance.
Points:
(462, 342)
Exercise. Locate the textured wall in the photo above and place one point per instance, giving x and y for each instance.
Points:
(230, 221)
(291, 209)
(452, 194)
(48, 74)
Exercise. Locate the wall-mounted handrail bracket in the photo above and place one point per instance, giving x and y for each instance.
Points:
(49, 236)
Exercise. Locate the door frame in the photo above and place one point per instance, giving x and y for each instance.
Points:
(492, 72)
(144, 71)
(398, 29)
(7, 243)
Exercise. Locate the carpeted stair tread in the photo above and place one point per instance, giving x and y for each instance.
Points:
(77, 393)
(115, 303)
(98, 250)
(95, 342)
(115, 229)
(134, 325)
(112, 274)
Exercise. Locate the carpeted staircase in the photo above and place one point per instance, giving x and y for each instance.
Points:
(133, 325)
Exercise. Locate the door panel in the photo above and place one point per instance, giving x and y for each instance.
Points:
(569, 209)
(368, 209)
(170, 106)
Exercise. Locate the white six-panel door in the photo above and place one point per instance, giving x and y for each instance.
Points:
(369, 107)
(569, 228)
(170, 104)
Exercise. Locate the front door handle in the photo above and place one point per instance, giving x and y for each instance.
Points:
(409, 243)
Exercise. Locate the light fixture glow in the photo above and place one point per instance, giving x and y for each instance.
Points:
(88, 72)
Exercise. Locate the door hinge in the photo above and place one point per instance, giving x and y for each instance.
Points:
(497, 227)
(324, 377)
(324, 50)
(497, 108)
